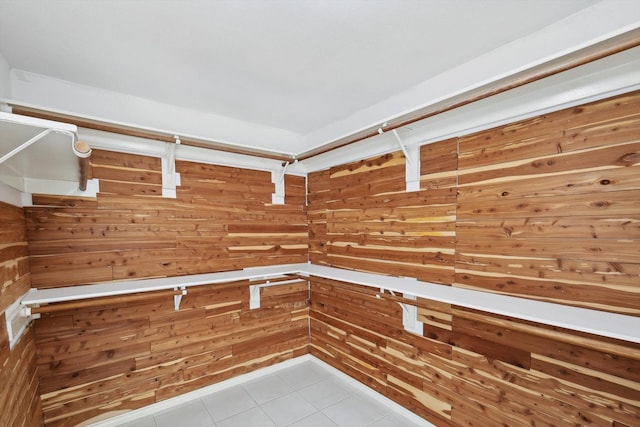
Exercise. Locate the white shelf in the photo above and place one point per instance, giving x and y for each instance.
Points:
(580, 319)
(597, 322)
(73, 293)
(36, 149)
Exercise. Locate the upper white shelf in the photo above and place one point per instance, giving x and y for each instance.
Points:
(580, 319)
(34, 150)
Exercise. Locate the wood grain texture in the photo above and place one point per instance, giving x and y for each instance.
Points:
(20, 404)
(98, 360)
(117, 356)
(549, 208)
(471, 368)
(546, 208)
(221, 220)
(361, 218)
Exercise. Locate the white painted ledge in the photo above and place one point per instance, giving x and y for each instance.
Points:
(73, 293)
(597, 322)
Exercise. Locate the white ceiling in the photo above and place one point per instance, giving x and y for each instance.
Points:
(284, 76)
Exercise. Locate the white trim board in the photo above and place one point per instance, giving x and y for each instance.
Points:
(205, 391)
(603, 78)
(597, 322)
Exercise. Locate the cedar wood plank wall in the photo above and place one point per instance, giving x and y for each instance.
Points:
(121, 355)
(19, 396)
(545, 208)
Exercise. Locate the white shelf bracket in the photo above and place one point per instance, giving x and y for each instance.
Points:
(254, 296)
(410, 317)
(170, 178)
(37, 138)
(177, 299)
(277, 178)
(18, 317)
(412, 169)
(24, 145)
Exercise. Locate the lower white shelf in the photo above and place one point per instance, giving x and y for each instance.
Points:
(597, 322)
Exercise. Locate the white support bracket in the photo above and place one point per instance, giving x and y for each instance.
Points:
(26, 144)
(177, 299)
(170, 178)
(410, 317)
(254, 296)
(412, 165)
(277, 178)
(410, 320)
(18, 317)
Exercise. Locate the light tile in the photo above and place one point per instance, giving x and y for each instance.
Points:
(193, 414)
(254, 417)
(393, 420)
(226, 403)
(287, 409)
(301, 395)
(315, 420)
(326, 392)
(267, 388)
(355, 411)
(304, 375)
(142, 422)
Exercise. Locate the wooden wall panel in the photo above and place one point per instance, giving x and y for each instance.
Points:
(318, 196)
(222, 219)
(105, 359)
(546, 208)
(14, 256)
(108, 358)
(549, 208)
(471, 368)
(20, 404)
(362, 218)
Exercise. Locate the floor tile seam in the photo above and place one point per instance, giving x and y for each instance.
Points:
(297, 393)
(378, 419)
(211, 419)
(268, 416)
(305, 386)
(257, 405)
(304, 417)
(269, 400)
(321, 409)
(207, 409)
(339, 401)
(386, 411)
(301, 397)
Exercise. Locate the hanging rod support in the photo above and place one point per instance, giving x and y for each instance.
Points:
(412, 164)
(25, 145)
(410, 159)
(277, 178)
(170, 178)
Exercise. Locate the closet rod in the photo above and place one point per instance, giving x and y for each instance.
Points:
(88, 303)
(127, 298)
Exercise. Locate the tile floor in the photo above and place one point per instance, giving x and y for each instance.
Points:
(307, 394)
